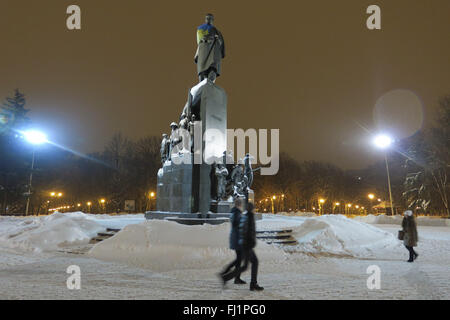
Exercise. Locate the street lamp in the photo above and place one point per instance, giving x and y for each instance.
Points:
(35, 138)
(321, 202)
(371, 196)
(152, 195)
(102, 202)
(349, 206)
(273, 207)
(336, 204)
(383, 141)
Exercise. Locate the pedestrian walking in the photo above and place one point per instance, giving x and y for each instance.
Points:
(410, 235)
(232, 270)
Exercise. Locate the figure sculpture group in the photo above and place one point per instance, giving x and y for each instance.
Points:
(227, 178)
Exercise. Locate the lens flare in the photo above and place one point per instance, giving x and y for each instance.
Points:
(35, 137)
(382, 141)
(399, 112)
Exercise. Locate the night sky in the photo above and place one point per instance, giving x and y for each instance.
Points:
(310, 68)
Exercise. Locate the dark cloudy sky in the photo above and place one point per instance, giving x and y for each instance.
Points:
(310, 68)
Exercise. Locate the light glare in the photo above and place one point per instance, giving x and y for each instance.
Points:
(382, 141)
(35, 137)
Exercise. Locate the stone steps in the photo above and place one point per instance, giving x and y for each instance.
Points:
(104, 235)
(277, 237)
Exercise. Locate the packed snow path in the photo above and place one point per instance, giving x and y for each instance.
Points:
(31, 268)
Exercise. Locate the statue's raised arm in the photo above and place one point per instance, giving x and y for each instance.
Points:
(210, 51)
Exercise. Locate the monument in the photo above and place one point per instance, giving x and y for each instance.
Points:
(198, 178)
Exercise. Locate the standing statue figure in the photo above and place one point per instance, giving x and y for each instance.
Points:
(191, 129)
(248, 171)
(175, 139)
(184, 122)
(221, 174)
(210, 51)
(165, 148)
(239, 181)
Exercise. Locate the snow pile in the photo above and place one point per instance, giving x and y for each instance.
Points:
(379, 219)
(48, 233)
(278, 222)
(336, 234)
(432, 222)
(164, 245)
(297, 214)
(397, 220)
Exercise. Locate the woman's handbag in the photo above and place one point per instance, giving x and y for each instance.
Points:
(401, 235)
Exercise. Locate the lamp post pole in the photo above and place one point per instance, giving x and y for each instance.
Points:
(30, 182)
(389, 183)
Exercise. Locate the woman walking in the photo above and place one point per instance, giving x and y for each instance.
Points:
(411, 236)
(247, 241)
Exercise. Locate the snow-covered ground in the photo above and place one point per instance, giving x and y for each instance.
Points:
(165, 260)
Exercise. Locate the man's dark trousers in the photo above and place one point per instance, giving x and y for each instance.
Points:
(229, 274)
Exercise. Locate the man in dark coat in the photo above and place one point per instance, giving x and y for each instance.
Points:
(228, 273)
(210, 51)
(247, 240)
(411, 236)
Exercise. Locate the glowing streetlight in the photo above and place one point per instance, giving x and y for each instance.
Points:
(383, 141)
(102, 200)
(152, 194)
(336, 204)
(371, 196)
(60, 195)
(52, 194)
(274, 197)
(35, 138)
(321, 202)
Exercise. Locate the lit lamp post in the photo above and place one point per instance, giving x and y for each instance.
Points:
(321, 202)
(89, 204)
(273, 207)
(35, 138)
(384, 142)
(152, 197)
(336, 205)
(371, 196)
(349, 206)
(55, 195)
(102, 203)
